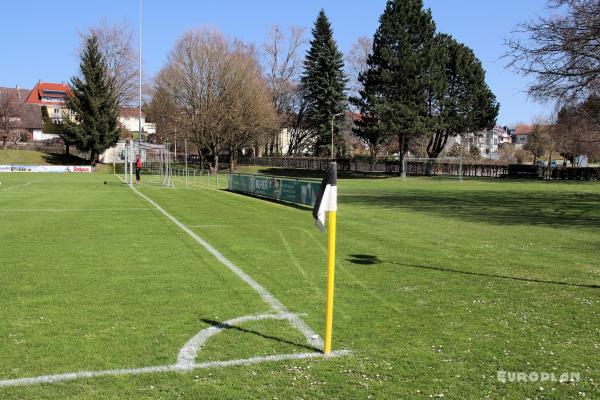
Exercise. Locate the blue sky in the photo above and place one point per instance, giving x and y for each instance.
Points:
(38, 39)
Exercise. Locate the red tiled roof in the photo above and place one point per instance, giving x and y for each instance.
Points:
(130, 113)
(53, 90)
(523, 130)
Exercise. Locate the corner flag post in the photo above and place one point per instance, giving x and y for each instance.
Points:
(327, 202)
(331, 221)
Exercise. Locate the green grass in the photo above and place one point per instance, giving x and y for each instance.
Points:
(27, 157)
(438, 286)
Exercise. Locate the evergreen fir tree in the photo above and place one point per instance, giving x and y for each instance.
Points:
(94, 122)
(395, 85)
(324, 83)
(464, 102)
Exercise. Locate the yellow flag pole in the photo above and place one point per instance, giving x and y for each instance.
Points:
(331, 222)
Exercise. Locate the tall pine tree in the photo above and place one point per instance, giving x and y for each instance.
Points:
(463, 102)
(323, 82)
(95, 113)
(394, 98)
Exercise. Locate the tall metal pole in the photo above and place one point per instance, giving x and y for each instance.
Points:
(140, 82)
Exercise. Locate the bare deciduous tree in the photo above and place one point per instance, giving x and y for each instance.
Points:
(561, 51)
(122, 59)
(162, 111)
(356, 61)
(282, 69)
(578, 129)
(216, 86)
(8, 115)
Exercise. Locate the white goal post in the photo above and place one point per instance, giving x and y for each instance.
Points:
(156, 163)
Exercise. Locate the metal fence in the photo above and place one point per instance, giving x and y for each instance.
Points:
(392, 167)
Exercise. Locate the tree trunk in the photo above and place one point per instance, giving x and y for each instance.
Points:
(401, 143)
(232, 161)
(67, 145)
(216, 163)
(92, 154)
(372, 159)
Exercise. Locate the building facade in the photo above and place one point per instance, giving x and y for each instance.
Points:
(129, 118)
(51, 95)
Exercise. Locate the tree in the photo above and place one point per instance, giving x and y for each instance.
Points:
(370, 132)
(115, 43)
(474, 152)
(217, 89)
(324, 84)
(393, 98)
(577, 128)
(68, 136)
(94, 121)
(560, 51)
(8, 115)
(459, 99)
(249, 110)
(163, 112)
(356, 61)
(536, 143)
(282, 67)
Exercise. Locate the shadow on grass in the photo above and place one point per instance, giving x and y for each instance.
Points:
(540, 208)
(223, 325)
(364, 259)
(514, 278)
(64, 159)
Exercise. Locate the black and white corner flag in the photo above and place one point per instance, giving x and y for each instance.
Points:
(327, 196)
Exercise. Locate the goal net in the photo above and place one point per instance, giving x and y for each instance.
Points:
(446, 166)
(156, 163)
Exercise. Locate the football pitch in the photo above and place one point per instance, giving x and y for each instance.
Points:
(112, 293)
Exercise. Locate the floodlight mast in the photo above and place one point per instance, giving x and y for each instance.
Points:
(140, 81)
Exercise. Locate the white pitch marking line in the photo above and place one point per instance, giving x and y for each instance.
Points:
(295, 261)
(15, 210)
(207, 226)
(186, 360)
(310, 335)
(188, 353)
(15, 186)
(165, 368)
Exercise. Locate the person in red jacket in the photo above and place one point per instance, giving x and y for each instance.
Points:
(138, 168)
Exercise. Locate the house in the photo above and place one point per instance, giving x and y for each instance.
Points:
(27, 118)
(488, 141)
(129, 119)
(520, 135)
(51, 95)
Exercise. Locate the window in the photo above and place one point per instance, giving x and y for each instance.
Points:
(57, 111)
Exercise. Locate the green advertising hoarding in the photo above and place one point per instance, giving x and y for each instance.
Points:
(273, 187)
